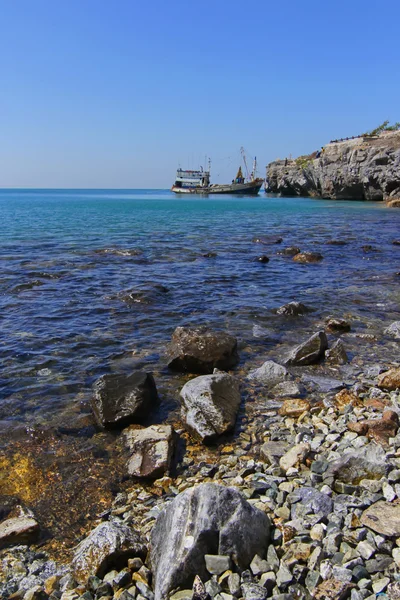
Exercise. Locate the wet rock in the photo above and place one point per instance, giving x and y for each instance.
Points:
(148, 294)
(199, 350)
(262, 259)
(287, 389)
(109, 545)
(210, 404)
(210, 255)
(270, 373)
(363, 463)
(293, 309)
(323, 384)
(309, 352)
(268, 240)
(337, 355)
(337, 325)
(390, 380)
(393, 330)
(18, 530)
(290, 251)
(119, 400)
(308, 257)
(208, 519)
(294, 407)
(152, 449)
(383, 517)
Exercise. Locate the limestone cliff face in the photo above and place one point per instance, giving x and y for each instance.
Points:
(359, 169)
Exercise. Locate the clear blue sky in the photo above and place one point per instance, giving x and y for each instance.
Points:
(118, 93)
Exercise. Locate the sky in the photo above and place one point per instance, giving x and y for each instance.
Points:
(118, 94)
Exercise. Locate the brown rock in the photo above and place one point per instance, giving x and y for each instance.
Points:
(393, 203)
(390, 380)
(333, 589)
(344, 398)
(380, 430)
(308, 257)
(383, 517)
(294, 407)
(18, 530)
(359, 427)
(376, 404)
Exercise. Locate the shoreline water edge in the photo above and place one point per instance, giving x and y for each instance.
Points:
(200, 399)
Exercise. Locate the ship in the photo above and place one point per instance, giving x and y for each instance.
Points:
(199, 182)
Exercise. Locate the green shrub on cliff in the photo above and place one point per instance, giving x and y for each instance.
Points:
(383, 127)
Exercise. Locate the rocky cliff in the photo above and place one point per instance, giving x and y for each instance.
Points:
(363, 168)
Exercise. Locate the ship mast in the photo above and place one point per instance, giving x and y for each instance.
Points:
(245, 162)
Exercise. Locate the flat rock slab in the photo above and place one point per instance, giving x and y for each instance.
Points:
(208, 519)
(310, 352)
(210, 404)
(18, 530)
(108, 546)
(199, 350)
(383, 517)
(363, 463)
(119, 400)
(152, 449)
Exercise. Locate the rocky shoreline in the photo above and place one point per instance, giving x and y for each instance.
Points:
(302, 500)
(363, 168)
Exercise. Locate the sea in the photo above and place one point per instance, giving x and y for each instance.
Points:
(96, 281)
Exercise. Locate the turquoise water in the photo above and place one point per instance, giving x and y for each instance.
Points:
(94, 281)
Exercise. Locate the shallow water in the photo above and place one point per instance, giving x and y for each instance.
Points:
(96, 281)
(93, 282)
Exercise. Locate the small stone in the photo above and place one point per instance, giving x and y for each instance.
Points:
(390, 380)
(234, 584)
(295, 455)
(217, 564)
(268, 580)
(252, 591)
(18, 530)
(283, 576)
(365, 550)
(294, 407)
(388, 492)
(380, 585)
(258, 565)
(335, 324)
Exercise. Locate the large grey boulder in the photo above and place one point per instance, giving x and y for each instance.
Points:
(119, 400)
(210, 404)
(309, 352)
(199, 350)
(208, 519)
(108, 546)
(270, 373)
(151, 450)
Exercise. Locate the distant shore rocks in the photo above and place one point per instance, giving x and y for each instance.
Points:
(200, 350)
(119, 400)
(206, 520)
(210, 404)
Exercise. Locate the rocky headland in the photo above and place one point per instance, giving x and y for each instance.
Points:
(361, 168)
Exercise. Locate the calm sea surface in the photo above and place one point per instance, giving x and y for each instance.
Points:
(95, 281)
